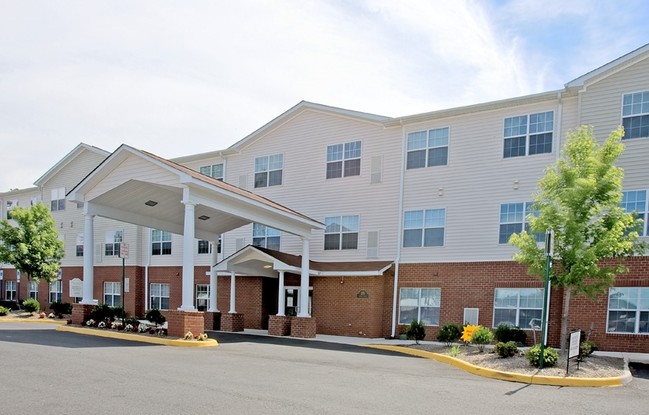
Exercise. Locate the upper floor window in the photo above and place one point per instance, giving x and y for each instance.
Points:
(635, 115)
(513, 219)
(517, 306)
(341, 232)
(113, 239)
(11, 204)
(265, 237)
(205, 247)
(58, 199)
(215, 171)
(424, 227)
(628, 310)
(635, 201)
(427, 148)
(344, 160)
(528, 135)
(268, 170)
(79, 245)
(160, 242)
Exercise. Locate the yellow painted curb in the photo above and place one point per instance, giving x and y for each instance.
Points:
(138, 338)
(31, 320)
(507, 376)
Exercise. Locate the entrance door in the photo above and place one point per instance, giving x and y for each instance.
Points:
(292, 300)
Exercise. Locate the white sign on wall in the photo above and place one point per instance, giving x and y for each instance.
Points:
(76, 288)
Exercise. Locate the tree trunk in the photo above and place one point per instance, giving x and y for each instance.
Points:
(564, 317)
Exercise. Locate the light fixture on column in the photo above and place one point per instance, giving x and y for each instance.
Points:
(151, 203)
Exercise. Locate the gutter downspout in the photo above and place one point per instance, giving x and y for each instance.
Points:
(395, 294)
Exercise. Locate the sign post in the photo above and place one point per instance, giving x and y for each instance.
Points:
(123, 253)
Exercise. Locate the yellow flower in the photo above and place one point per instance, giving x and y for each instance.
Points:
(468, 332)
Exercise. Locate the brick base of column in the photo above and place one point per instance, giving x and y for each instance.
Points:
(81, 313)
(180, 322)
(279, 325)
(303, 327)
(212, 320)
(232, 322)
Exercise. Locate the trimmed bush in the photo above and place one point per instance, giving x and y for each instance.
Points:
(31, 305)
(61, 308)
(416, 331)
(4, 311)
(506, 333)
(449, 333)
(550, 356)
(155, 316)
(481, 337)
(102, 312)
(587, 347)
(508, 349)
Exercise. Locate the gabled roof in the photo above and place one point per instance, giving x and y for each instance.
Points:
(68, 159)
(612, 67)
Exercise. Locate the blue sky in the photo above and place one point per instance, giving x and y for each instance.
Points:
(183, 77)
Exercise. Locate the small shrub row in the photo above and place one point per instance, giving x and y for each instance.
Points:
(416, 330)
(60, 308)
(4, 311)
(31, 305)
(449, 333)
(508, 349)
(505, 333)
(550, 356)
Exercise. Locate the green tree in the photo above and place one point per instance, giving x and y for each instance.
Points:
(579, 200)
(33, 245)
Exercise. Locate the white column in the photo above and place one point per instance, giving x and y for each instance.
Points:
(88, 259)
(233, 292)
(188, 258)
(214, 307)
(281, 300)
(304, 280)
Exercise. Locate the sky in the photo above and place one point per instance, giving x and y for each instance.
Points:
(182, 77)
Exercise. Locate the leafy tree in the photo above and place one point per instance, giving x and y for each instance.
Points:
(33, 245)
(579, 200)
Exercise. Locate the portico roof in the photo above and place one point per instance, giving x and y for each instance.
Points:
(138, 187)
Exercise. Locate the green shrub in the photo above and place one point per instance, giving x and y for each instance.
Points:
(481, 337)
(31, 305)
(550, 356)
(506, 333)
(455, 350)
(61, 308)
(587, 347)
(155, 316)
(102, 312)
(508, 349)
(416, 331)
(449, 333)
(4, 311)
(133, 321)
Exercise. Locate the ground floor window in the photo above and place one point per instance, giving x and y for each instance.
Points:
(421, 304)
(113, 294)
(33, 290)
(10, 291)
(516, 307)
(56, 291)
(159, 296)
(202, 297)
(628, 310)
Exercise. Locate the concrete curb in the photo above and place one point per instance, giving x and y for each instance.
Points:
(31, 320)
(138, 338)
(508, 376)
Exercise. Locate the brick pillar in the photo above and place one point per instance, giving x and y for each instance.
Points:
(303, 327)
(212, 320)
(81, 313)
(180, 322)
(232, 322)
(279, 325)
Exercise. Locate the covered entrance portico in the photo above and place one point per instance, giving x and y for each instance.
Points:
(140, 188)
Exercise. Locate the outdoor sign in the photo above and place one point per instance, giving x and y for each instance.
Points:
(2, 274)
(18, 275)
(76, 287)
(123, 250)
(573, 349)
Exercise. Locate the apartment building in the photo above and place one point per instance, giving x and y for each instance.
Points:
(355, 222)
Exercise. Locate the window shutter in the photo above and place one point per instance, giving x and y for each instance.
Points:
(373, 244)
(471, 316)
(243, 181)
(377, 169)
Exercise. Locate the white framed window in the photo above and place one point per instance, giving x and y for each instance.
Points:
(265, 236)
(11, 204)
(113, 293)
(159, 296)
(513, 219)
(427, 148)
(635, 115)
(526, 135)
(516, 307)
(160, 242)
(341, 232)
(205, 247)
(58, 199)
(56, 291)
(112, 241)
(628, 310)
(215, 171)
(344, 160)
(421, 304)
(635, 201)
(79, 245)
(33, 290)
(10, 291)
(424, 227)
(268, 170)
(202, 297)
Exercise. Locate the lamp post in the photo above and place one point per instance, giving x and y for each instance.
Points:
(546, 289)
